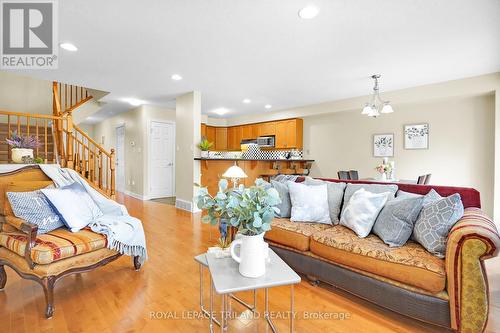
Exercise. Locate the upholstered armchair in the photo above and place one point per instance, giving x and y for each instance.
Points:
(49, 257)
(472, 240)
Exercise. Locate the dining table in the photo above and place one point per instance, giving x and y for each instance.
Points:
(395, 180)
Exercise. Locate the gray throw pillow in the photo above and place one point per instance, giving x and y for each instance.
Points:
(395, 222)
(374, 188)
(335, 195)
(285, 206)
(435, 222)
(401, 194)
(431, 197)
(34, 208)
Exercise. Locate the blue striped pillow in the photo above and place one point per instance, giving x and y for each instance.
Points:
(34, 207)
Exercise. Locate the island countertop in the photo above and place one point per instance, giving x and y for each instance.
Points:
(252, 159)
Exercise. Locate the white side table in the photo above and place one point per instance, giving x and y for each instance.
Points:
(226, 280)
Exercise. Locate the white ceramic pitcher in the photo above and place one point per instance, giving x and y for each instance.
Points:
(253, 254)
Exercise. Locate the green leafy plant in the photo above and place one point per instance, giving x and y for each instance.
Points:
(250, 210)
(205, 145)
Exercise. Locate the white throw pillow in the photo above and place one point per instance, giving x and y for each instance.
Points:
(74, 204)
(309, 203)
(362, 210)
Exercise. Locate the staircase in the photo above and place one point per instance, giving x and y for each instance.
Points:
(61, 141)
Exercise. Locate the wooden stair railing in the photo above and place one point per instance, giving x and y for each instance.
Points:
(77, 150)
(27, 124)
(70, 96)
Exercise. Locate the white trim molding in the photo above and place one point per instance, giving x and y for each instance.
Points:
(188, 206)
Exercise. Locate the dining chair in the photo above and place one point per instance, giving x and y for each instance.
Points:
(353, 174)
(427, 178)
(421, 180)
(343, 175)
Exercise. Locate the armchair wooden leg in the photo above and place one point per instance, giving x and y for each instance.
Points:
(48, 289)
(137, 263)
(3, 277)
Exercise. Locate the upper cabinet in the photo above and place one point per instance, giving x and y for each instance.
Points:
(288, 134)
(266, 129)
(220, 138)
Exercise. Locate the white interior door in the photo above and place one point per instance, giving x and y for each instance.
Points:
(120, 159)
(161, 159)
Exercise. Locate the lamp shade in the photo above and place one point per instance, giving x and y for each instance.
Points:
(367, 109)
(234, 172)
(387, 108)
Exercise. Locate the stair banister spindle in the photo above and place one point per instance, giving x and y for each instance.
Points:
(112, 171)
(70, 143)
(45, 143)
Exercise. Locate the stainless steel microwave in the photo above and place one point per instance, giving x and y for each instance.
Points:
(266, 141)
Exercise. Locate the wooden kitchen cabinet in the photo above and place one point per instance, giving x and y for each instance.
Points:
(249, 132)
(210, 134)
(266, 129)
(289, 134)
(203, 131)
(221, 138)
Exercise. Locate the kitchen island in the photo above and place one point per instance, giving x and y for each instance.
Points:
(212, 169)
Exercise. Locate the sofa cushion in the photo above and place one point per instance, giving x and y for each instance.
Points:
(410, 264)
(309, 203)
(374, 188)
(285, 206)
(55, 245)
(293, 234)
(335, 196)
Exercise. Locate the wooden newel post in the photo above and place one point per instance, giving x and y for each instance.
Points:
(69, 145)
(112, 170)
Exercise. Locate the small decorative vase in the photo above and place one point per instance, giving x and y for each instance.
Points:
(204, 153)
(383, 177)
(19, 153)
(252, 258)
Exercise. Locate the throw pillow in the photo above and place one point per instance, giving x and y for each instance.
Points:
(335, 196)
(408, 194)
(34, 208)
(362, 210)
(373, 188)
(285, 206)
(74, 204)
(435, 222)
(431, 197)
(395, 222)
(309, 203)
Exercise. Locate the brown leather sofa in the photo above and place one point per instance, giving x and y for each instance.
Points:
(450, 292)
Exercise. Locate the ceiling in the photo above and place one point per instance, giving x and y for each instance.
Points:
(260, 49)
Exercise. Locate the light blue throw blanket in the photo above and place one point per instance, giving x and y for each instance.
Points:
(124, 232)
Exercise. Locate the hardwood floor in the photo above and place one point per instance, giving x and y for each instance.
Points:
(163, 296)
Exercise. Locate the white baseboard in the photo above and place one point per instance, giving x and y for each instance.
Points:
(137, 196)
(185, 205)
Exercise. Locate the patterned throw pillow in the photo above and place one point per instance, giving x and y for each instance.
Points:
(309, 203)
(435, 222)
(335, 196)
(395, 222)
(34, 208)
(285, 206)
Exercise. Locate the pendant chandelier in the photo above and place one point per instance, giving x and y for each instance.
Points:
(377, 105)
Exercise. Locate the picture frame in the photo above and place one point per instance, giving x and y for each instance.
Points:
(383, 145)
(416, 136)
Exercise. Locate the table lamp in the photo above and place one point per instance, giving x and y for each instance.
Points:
(235, 173)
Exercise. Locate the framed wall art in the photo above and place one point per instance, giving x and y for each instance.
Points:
(416, 136)
(383, 145)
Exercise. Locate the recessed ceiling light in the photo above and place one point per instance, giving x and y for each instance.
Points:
(134, 101)
(68, 47)
(268, 106)
(176, 77)
(221, 111)
(246, 101)
(308, 12)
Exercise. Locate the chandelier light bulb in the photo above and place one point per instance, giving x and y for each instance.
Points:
(387, 108)
(367, 109)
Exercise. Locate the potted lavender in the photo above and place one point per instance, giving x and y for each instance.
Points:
(22, 146)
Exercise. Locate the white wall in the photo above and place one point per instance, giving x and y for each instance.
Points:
(136, 157)
(25, 94)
